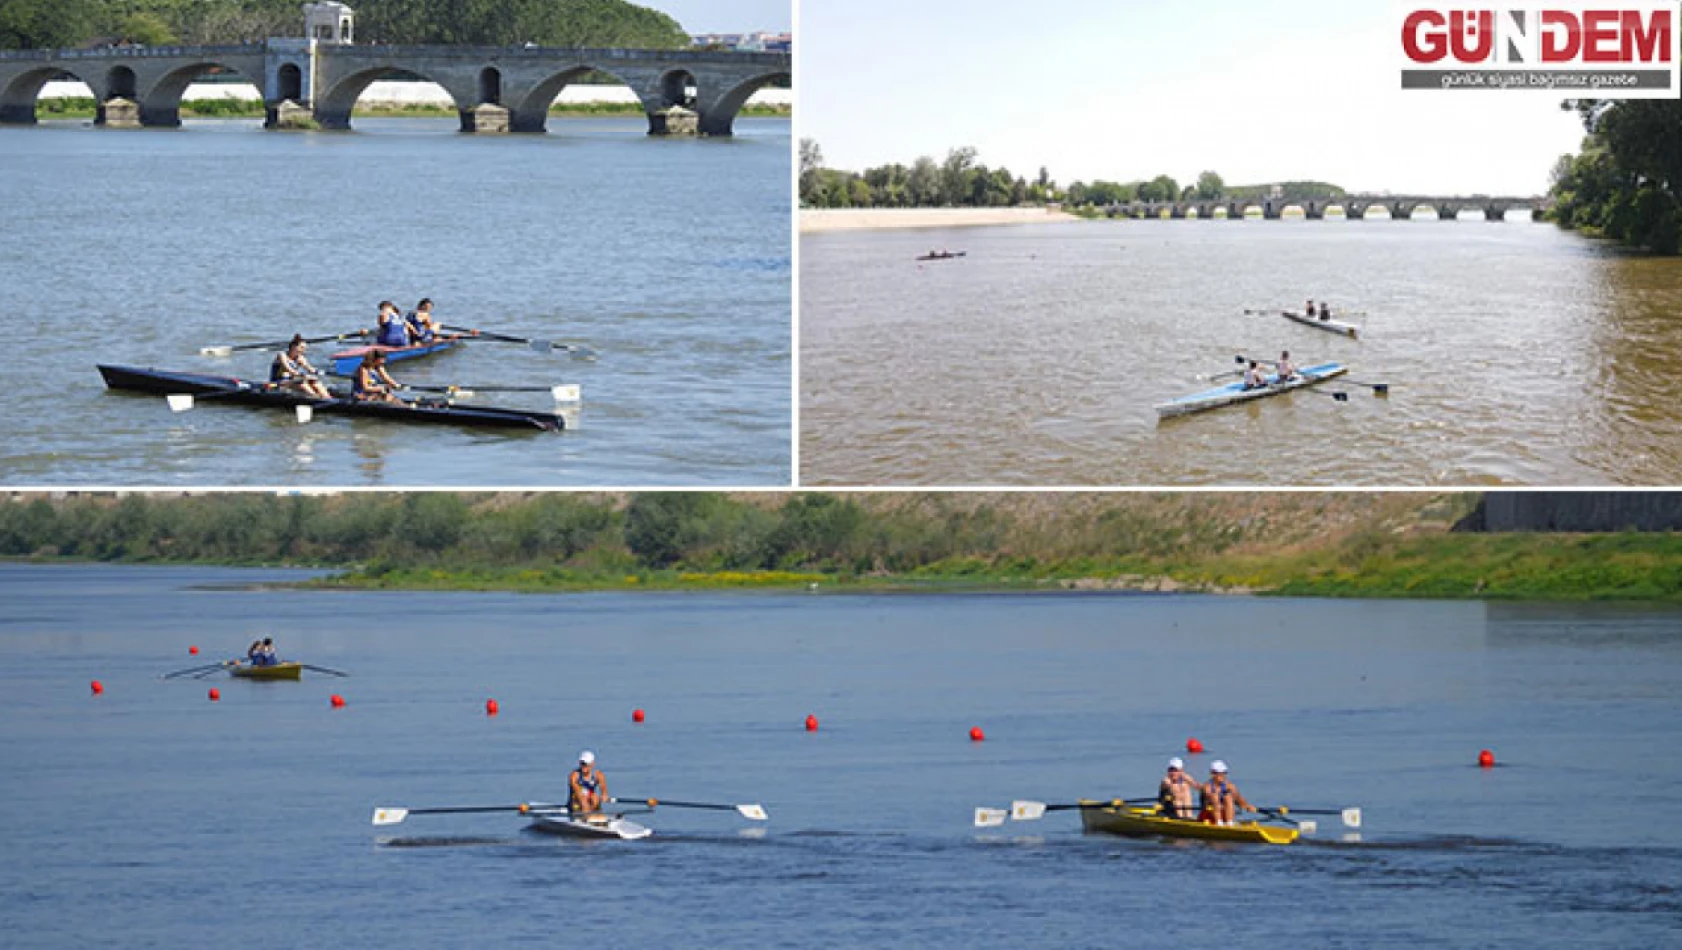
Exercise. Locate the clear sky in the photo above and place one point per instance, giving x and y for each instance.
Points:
(1120, 90)
(727, 16)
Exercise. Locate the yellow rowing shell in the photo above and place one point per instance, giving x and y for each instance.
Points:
(279, 671)
(1148, 823)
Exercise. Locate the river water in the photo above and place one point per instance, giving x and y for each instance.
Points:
(669, 257)
(150, 816)
(1516, 354)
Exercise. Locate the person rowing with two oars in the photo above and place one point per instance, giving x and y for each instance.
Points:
(392, 330)
(587, 787)
(290, 370)
(1325, 311)
(1285, 368)
(1174, 795)
(422, 328)
(371, 382)
(1255, 377)
(1221, 799)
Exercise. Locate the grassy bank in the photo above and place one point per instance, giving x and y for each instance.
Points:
(84, 108)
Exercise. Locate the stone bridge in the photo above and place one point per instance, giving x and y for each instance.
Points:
(1316, 207)
(495, 88)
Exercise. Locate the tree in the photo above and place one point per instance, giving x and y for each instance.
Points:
(811, 160)
(1209, 187)
(46, 24)
(923, 184)
(955, 175)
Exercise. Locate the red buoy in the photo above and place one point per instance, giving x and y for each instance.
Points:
(215, 695)
(338, 701)
(636, 715)
(1486, 759)
(193, 651)
(97, 687)
(491, 707)
(811, 723)
(1193, 746)
(976, 735)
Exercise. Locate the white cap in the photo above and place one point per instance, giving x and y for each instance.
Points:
(1175, 763)
(589, 758)
(1217, 766)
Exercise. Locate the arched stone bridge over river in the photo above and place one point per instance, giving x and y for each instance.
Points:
(496, 89)
(1317, 207)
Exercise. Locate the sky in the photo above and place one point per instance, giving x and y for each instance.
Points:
(727, 16)
(1121, 90)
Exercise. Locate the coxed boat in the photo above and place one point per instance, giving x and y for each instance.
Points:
(1132, 822)
(274, 671)
(1330, 326)
(1233, 393)
(345, 362)
(242, 392)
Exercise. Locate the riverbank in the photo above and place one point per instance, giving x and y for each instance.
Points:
(818, 220)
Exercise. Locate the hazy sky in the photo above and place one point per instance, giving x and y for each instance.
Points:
(727, 16)
(1257, 91)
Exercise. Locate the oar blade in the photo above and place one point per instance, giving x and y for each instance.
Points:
(571, 392)
(1307, 827)
(390, 816)
(216, 351)
(1027, 811)
(1352, 817)
(540, 346)
(990, 817)
(582, 353)
(179, 402)
(754, 812)
(305, 414)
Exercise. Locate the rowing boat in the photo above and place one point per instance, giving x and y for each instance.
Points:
(274, 671)
(559, 822)
(944, 256)
(1235, 392)
(1131, 822)
(345, 362)
(1330, 326)
(242, 392)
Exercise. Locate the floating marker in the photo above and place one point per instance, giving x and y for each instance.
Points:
(193, 651)
(97, 687)
(215, 695)
(636, 715)
(811, 723)
(338, 701)
(1193, 746)
(976, 735)
(1486, 759)
(491, 708)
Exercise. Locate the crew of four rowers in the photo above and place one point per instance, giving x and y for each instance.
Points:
(371, 382)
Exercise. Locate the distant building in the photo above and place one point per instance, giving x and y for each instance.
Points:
(329, 22)
(746, 42)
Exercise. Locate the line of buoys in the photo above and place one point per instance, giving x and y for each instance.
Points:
(1486, 759)
(811, 723)
(215, 695)
(338, 701)
(636, 715)
(97, 687)
(491, 708)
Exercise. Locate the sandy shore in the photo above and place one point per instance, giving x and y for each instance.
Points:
(872, 219)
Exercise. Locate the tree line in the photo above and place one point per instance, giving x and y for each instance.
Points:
(961, 181)
(1626, 183)
(49, 24)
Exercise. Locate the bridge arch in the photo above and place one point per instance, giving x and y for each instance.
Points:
(20, 96)
(531, 111)
(290, 79)
(161, 104)
(678, 87)
(333, 106)
(718, 113)
(490, 86)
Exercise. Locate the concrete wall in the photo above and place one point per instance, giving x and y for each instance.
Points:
(1584, 511)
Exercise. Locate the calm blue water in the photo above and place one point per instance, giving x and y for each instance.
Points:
(150, 816)
(671, 258)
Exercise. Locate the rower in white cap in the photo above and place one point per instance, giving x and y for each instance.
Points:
(588, 787)
(1221, 799)
(1174, 795)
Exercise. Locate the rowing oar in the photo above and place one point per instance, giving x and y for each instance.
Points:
(755, 812)
(198, 669)
(393, 816)
(1350, 816)
(323, 669)
(1032, 811)
(568, 392)
(276, 344)
(540, 346)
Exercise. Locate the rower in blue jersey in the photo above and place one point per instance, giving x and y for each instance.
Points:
(587, 787)
(371, 383)
(290, 370)
(422, 328)
(393, 331)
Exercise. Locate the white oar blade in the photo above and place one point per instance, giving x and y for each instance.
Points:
(179, 402)
(305, 414)
(1352, 817)
(567, 393)
(990, 817)
(390, 816)
(1308, 827)
(1027, 811)
(216, 351)
(755, 812)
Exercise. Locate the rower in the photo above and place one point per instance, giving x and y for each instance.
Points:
(1285, 368)
(1254, 377)
(392, 330)
(1221, 799)
(1173, 797)
(587, 787)
(422, 328)
(1325, 310)
(372, 383)
(254, 653)
(290, 370)
(1308, 309)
